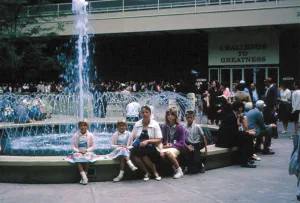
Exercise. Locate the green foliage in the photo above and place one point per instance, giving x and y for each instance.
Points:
(23, 40)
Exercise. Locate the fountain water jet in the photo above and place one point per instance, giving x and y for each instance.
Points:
(81, 29)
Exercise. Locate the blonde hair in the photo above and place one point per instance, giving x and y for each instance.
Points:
(120, 122)
(83, 122)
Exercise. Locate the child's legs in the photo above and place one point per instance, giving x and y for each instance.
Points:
(80, 167)
(86, 167)
(122, 162)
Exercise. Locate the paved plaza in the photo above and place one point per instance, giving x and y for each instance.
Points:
(269, 182)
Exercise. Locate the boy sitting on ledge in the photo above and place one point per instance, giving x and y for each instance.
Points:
(195, 140)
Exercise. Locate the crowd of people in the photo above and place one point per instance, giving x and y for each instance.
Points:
(281, 103)
(110, 86)
(247, 120)
(243, 124)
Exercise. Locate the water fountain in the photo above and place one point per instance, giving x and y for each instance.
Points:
(50, 135)
(46, 140)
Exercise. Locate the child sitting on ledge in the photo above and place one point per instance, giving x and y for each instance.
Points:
(121, 140)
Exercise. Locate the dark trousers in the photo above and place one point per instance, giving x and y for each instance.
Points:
(265, 138)
(268, 112)
(269, 117)
(246, 148)
(192, 159)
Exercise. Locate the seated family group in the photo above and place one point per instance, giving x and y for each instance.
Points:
(148, 143)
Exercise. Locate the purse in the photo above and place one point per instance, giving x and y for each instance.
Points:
(144, 136)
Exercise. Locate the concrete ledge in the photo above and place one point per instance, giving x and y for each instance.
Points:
(43, 161)
(53, 169)
(58, 160)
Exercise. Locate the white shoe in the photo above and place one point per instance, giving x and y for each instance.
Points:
(202, 170)
(185, 170)
(118, 179)
(157, 177)
(178, 173)
(283, 132)
(174, 170)
(85, 181)
(146, 177)
(133, 168)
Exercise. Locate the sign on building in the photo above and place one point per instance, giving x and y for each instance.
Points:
(243, 48)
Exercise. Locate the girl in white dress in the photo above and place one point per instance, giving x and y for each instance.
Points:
(121, 141)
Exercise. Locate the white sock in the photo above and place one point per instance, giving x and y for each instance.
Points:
(83, 175)
(131, 166)
(121, 174)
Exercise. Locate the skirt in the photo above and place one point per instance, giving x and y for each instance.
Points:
(119, 151)
(149, 151)
(175, 152)
(284, 111)
(84, 158)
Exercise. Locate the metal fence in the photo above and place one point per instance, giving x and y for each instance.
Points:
(109, 6)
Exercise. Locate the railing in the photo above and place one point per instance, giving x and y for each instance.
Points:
(110, 6)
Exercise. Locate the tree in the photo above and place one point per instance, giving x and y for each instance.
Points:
(22, 39)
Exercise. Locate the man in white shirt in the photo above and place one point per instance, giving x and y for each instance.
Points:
(133, 110)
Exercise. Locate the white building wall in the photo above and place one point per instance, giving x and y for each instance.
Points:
(205, 17)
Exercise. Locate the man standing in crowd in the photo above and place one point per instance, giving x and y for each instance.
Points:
(243, 83)
(254, 92)
(241, 95)
(271, 101)
(296, 107)
(133, 110)
(256, 122)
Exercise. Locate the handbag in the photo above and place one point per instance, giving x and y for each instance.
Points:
(144, 136)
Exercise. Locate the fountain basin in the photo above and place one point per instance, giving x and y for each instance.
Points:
(53, 169)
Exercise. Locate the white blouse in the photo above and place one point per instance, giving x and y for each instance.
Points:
(285, 95)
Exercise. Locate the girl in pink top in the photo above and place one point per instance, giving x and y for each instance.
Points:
(225, 90)
(83, 147)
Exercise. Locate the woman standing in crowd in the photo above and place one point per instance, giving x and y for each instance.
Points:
(121, 140)
(173, 141)
(296, 107)
(148, 136)
(225, 90)
(285, 106)
(213, 102)
(229, 135)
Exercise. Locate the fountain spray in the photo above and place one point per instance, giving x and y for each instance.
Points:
(81, 29)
